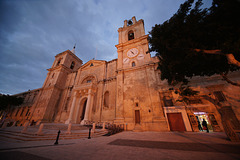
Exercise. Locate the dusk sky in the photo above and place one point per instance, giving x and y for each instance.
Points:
(32, 32)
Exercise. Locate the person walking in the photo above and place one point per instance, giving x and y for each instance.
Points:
(204, 124)
(199, 126)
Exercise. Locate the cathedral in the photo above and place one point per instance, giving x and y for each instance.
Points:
(127, 90)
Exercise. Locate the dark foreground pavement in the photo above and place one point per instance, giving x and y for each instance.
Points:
(127, 145)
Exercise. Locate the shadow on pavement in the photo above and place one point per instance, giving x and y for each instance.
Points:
(200, 147)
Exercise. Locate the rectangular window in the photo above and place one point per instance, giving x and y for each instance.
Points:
(220, 96)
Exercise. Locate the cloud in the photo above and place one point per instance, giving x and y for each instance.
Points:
(32, 32)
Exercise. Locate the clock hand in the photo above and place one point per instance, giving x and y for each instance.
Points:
(132, 52)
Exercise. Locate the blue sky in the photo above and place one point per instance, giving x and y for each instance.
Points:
(32, 32)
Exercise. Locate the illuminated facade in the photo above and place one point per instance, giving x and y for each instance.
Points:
(126, 90)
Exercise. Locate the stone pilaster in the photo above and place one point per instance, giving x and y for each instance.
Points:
(72, 108)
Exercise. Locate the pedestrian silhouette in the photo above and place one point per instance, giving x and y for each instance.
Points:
(204, 124)
(199, 126)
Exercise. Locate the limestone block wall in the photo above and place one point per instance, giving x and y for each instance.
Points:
(101, 112)
(111, 69)
(66, 98)
(141, 93)
(24, 112)
(108, 101)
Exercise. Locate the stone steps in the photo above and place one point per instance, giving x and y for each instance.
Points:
(33, 137)
(137, 128)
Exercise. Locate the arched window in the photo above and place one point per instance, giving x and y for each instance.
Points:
(89, 79)
(59, 61)
(133, 64)
(130, 35)
(72, 65)
(106, 99)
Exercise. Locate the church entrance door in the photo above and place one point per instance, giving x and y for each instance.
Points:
(137, 116)
(176, 122)
(84, 109)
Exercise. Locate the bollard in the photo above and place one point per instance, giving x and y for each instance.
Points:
(25, 127)
(40, 129)
(57, 138)
(37, 123)
(103, 128)
(69, 128)
(125, 127)
(89, 135)
(94, 127)
(14, 123)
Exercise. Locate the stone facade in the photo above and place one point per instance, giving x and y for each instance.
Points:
(126, 90)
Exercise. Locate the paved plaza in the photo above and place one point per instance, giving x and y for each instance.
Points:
(127, 145)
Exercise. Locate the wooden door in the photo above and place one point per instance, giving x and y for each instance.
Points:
(176, 122)
(137, 116)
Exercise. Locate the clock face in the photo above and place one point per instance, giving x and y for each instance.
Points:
(132, 52)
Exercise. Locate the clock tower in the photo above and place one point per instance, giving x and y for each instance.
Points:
(138, 103)
(133, 44)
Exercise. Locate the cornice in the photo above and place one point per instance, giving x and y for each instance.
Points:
(136, 67)
(69, 52)
(133, 41)
(61, 66)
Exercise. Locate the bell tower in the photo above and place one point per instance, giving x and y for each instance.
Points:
(133, 44)
(137, 94)
(132, 55)
(51, 93)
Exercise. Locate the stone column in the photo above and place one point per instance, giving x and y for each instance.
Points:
(119, 113)
(75, 120)
(134, 19)
(72, 108)
(125, 23)
(88, 107)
